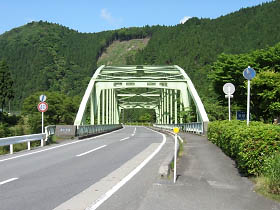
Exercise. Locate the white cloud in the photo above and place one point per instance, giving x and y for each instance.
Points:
(29, 20)
(106, 15)
(184, 19)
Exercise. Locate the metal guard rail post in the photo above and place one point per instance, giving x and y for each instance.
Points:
(21, 139)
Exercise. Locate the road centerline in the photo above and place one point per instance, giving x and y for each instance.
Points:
(90, 151)
(124, 138)
(8, 180)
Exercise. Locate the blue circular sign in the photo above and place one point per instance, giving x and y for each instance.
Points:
(249, 73)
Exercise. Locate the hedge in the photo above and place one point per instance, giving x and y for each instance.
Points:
(248, 146)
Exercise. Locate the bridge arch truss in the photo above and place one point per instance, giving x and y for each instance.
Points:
(166, 89)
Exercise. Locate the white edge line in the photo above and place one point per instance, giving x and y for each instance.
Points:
(114, 189)
(8, 180)
(63, 145)
(124, 138)
(85, 153)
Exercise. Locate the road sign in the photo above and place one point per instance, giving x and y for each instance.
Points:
(43, 98)
(176, 130)
(241, 115)
(229, 88)
(249, 73)
(42, 107)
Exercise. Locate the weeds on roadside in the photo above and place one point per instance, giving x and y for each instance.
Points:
(272, 173)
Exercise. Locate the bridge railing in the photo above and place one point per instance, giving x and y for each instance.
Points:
(85, 130)
(194, 127)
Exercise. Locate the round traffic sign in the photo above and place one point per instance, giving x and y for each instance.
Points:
(228, 88)
(249, 73)
(43, 98)
(42, 107)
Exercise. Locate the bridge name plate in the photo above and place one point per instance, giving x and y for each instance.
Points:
(65, 130)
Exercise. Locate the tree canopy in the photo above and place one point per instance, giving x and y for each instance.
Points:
(61, 110)
(265, 86)
(6, 84)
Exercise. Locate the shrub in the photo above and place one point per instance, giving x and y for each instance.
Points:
(249, 146)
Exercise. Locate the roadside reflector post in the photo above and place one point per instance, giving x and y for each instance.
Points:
(11, 149)
(28, 145)
(176, 131)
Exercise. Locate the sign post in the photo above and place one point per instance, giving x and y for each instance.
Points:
(176, 131)
(248, 73)
(229, 89)
(42, 107)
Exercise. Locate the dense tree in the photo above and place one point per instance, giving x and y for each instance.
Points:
(265, 91)
(6, 84)
(61, 110)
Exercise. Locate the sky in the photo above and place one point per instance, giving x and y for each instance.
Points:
(102, 15)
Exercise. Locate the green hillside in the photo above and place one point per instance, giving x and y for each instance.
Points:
(49, 57)
(198, 42)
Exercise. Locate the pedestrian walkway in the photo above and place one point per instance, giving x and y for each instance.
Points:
(207, 180)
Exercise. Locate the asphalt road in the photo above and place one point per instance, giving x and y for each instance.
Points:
(47, 177)
(207, 180)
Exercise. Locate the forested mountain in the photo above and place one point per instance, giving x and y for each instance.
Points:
(44, 56)
(48, 57)
(198, 42)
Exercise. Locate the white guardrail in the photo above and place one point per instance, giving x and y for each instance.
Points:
(50, 130)
(195, 127)
(21, 139)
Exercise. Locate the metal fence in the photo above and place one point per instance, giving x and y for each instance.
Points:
(195, 127)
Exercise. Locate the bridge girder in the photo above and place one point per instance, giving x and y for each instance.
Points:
(166, 89)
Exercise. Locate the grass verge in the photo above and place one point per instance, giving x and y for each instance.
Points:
(262, 187)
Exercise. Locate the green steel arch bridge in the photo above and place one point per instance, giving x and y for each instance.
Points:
(166, 89)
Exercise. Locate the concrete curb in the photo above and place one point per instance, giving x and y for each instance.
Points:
(165, 167)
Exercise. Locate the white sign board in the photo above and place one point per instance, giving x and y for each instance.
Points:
(229, 88)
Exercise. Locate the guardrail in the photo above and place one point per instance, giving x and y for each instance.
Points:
(84, 130)
(195, 127)
(22, 139)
